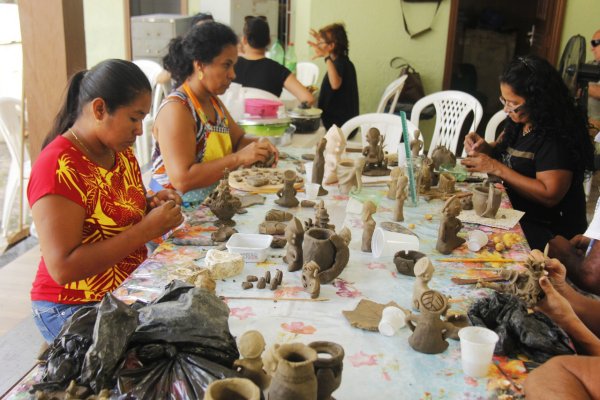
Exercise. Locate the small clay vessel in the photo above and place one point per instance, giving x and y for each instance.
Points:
(442, 156)
(405, 261)
(328, 369)
(346, 176)
(310, 279)
(446, 183)
(318, 247)
(486, 200)
(294, 377)
(287, 195)
(232, 389)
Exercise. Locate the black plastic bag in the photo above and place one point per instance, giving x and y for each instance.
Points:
(534, 335)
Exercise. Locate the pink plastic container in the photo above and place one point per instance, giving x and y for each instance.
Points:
(262, 107)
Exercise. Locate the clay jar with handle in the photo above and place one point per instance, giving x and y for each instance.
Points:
(232, 389)
(486, 200)
(317, 247)
(328, 369)
(294, 377)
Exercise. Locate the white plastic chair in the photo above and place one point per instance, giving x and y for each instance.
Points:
(389, 125)
(254, 93)
(391, 93)
(451, 110)
(307, 73)
(10, 129)
(492, 126)
(144, 143)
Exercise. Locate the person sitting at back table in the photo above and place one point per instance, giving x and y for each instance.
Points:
(87, 196)
(542, 154)
(196, 138)
(255, 70)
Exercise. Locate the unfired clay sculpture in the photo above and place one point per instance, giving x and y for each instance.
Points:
(322, 217)
(466, 202)
(426, 176)
(223, 233)
(405, 261)
(449, 227)
(393, 183)
(442, 156)
(429, 331)
(423, 272)
(446, 183)
(336, 144)
(368, 210)
(358, 171)
(416, 144)
(272, 228)
(222, 203)
(328, 249)
(310, 279)
(287, 195)
(401, 195)
(319, 167)
(294, 377)
(278, 215)
(486, 200)
(251, 347)
(294, 234)
(328, 368)
(376, 164)
(346, 176)
(231, 388)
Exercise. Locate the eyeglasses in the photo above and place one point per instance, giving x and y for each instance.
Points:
(249, 17)
(595, 42)
(509, 106)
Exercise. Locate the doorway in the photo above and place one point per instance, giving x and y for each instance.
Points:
(484, 36)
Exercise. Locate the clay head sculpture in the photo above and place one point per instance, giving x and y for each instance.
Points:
(310, 279)
(450, 226)
(294, 234)
(251, 346)
(423, 272)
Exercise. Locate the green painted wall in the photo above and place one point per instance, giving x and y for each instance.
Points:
(104, 30)
(579, 20)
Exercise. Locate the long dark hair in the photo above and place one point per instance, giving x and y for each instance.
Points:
(551, 110)
(256, 30)
(117, 82)
(336, 33)
(202, 43)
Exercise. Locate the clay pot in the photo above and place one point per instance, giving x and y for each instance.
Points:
(317, 247)
(328, 369)
(405, 261)
(232, 389)
(295, 377)
(486, 200)
(346, 175)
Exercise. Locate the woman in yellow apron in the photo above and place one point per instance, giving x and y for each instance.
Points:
(196, 138)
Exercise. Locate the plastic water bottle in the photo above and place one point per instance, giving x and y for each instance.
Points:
(276, 53)
(290, 57)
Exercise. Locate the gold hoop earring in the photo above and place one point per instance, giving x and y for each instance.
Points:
(200, 75)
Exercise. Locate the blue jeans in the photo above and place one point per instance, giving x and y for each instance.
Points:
(50, 317)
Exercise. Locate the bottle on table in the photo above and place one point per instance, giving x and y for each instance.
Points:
(290, 57)
(276, 53)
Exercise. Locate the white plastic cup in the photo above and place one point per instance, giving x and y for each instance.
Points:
(392, 319)
(308, 171)
(312, 190)
(476, 239)
(476, 349)
(385, 243)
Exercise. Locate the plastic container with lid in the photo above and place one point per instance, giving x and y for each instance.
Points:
(262, 107)
(253, 247)
(306, 119)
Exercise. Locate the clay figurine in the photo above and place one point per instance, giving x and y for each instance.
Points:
(375, 164)
(449, 227)
(319, 167)
(423, 272)
(393, 183)
(405, 261)
(416, 144)
(486, 200)
(278, 215)
(442, 156)
(446, 183)
(322, 217)
(426, 176)
(310, 279)
(272, 228)
(524, 284)
(369, 208)
(295, 375)
(346, 176)
(429, 331)
(358, 171)
(223, 233)
(336, 145)
(401, 195)
(328, 368)
(251, 347)
(466, 202)
(328, 249)
(222, 203)
(287, 194)
(294, 235)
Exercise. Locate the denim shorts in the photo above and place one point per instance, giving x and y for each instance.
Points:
(50, 317)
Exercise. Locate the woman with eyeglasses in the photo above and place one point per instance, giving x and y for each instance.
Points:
(338, 97)
(542, 154)
(196, 138)
(254, 69)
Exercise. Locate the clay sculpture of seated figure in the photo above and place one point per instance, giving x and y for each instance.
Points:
(423, 271)
(287, 195)
(251, 347)
(375, 162)
(449, 227)
(442, 156)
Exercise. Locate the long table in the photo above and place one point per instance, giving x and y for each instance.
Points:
(375, 366)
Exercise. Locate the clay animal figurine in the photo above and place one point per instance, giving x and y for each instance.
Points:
(310, 279)
(524, 284)
(222, 203)
(393, 183)
(416, 144)
(319, 167)
(429, 330)
(449, 227)
(336, 145)
(446, 183)
(426, 176)
(423, 272)
(328, 249)
(486, 200)
(287, 194)
(442, 156)
(346, 176)
(405, 261)
(375, 164)
(294, 234)
(401, 196)
(251, 347)
(322, 217)
(369, 208)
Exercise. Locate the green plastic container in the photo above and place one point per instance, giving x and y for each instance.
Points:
(265, 127)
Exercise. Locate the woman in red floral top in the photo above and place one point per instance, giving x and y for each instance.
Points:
(87, 198)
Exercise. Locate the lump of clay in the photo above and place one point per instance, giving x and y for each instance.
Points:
(442, 156)
(278, 215)
(257, 180)
(223, 264)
